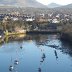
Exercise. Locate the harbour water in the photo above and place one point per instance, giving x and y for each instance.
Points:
(35, 53)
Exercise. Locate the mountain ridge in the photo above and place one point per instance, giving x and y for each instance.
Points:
(53, 5)
(31, 3)
(66, 6)
(22, 3)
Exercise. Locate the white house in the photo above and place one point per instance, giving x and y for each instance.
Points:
(55, 21)
(14, 18)
(30, 19)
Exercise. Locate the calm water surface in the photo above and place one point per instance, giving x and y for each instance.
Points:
(36, 53)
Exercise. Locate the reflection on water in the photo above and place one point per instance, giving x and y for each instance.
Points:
(43, 58)
(35, 53)
(56, 54)
(39, 69)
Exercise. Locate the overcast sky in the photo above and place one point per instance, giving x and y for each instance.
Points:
(62, 2)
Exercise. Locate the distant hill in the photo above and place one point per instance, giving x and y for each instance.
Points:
(53, 5)
(22, 3)
(66, 6)
(32, 7)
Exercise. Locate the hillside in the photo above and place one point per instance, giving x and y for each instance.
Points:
(53, 5)
(22, 3)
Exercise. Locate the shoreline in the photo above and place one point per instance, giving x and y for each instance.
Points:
(42, 32)
(66, 37)
(63, 36)
(32, 32)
